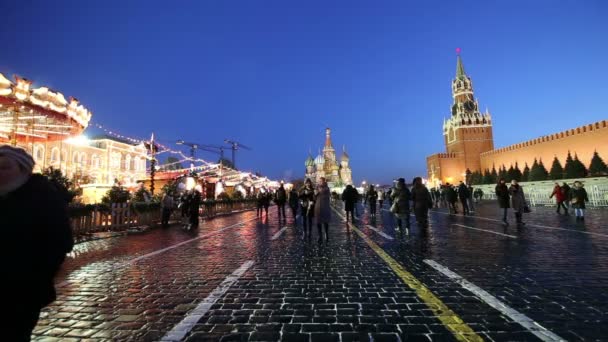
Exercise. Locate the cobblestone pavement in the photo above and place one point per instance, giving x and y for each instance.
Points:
(239, 278)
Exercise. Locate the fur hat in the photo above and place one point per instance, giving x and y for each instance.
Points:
(19, 155)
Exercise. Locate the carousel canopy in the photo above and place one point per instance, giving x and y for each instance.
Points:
(40, 114)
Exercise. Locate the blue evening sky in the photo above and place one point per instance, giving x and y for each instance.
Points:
(274, 74)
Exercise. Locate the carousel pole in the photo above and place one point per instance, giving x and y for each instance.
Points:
(152, 164)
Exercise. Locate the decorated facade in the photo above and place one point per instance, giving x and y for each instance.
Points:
(326, 165)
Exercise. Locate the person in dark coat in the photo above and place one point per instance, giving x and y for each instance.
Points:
(323, 208)
(349, 196)
(280, 199)
(194, 205)
(502, 195)
(578, 197)
(463, 196)
(566, 191)
(266, 198)
(307, 203)
(372, 199)
(559, 198)
(293, 204)
(260, 203)
(422, 201)
(36, 235)
(401, 204)
(451, 196)
(518, 201)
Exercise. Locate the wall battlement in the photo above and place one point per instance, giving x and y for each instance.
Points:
(443, 155)
(600, 125)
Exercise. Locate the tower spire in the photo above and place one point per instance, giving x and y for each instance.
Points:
(328, 137)
(459, 67)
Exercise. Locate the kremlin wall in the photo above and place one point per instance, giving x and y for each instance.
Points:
(470, 146)
(582, 141)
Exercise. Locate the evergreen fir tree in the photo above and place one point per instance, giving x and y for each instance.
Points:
(475, 178)
(557, 171)
(502, 173)
(510, 173)
(538, 172)
(568, 170)
(578, 168)
(493, 176)
(517, 173)
(597, 166)
(487, 177)
(526, 175)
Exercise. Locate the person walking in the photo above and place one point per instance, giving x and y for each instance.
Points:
(463, 196)
(502, 195)
(307, 203)
(578, 197)
(195, 203)
(266, 198)
(293, 204)
(372, 199)
(451, 196)
(280, 199)
(559, 198)
(518, 201)
(401, 204)
(166, 204)
(36, 238)
(322, 208)
(566, 191)
(260, 203)
(470, 199)
(349, 196)
(380, 199)
(422, 201)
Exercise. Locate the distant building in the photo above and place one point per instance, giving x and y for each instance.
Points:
(101, 160)
(326, 165)
(470, 145)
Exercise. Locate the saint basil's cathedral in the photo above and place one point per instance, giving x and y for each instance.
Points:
(326, 165)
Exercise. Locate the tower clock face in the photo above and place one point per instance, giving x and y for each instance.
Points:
(469, 105)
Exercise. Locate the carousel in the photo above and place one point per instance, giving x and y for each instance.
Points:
(30, 115)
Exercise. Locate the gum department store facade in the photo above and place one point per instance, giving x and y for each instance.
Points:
(470, 145)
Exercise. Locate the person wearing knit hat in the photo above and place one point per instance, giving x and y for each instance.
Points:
(16, 166)
(37, 236)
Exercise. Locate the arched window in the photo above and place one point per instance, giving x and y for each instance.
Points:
(95, 161)
(39, 153)
(128, 162)
(55, 156)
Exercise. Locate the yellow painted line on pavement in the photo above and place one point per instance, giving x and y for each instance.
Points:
(460, 330)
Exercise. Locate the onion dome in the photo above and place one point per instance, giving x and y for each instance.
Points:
(345, 156)
(309, 161)
(320, 160)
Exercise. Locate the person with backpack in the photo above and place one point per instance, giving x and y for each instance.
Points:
(349, 196)
(401, 204)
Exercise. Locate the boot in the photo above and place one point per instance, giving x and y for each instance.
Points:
(320, 232)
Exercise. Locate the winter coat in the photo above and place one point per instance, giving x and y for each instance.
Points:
(578, 197)
(372, 196)
(350, 196)
(421, 198)
(167, 202)
(558, 193)
(463, 192)
(451, 195)
(502, 195)
(281, 196)
(293, 198)
(380, 195)
(37, 235)
(518, 199)
(401, 196)
(322, 204)
(195, 202)
(566, 192)
(307, 200)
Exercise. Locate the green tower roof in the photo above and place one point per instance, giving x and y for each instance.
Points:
(460, 69)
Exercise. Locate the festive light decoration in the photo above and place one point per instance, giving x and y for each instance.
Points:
(37, 115)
